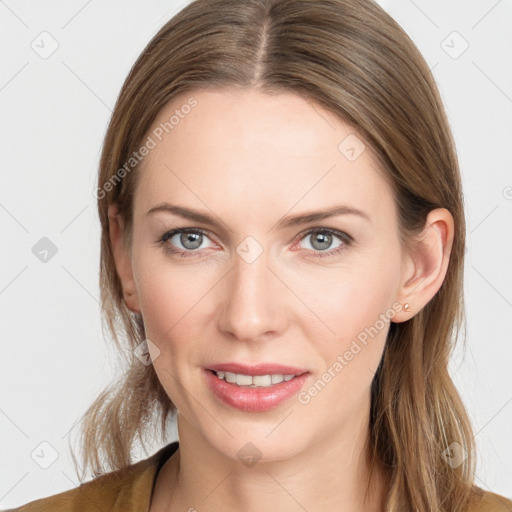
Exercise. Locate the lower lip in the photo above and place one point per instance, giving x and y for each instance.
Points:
(254, 399)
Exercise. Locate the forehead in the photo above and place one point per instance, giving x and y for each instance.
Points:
(248, 147)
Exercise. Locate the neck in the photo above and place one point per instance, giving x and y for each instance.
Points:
(334, 473)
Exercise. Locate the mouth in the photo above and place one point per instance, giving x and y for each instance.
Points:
(254, 381)
(254, 393)
(262, 375)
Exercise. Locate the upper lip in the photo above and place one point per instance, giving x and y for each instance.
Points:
(258, 369)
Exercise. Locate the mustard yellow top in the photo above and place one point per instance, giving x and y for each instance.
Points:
(130, 490)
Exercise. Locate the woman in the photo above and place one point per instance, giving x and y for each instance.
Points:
(282, 249)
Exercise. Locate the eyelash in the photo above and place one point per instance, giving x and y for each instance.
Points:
(344, 237)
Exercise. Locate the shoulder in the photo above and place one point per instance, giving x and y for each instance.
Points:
(101, 493)
(485, 501)
(125, 489)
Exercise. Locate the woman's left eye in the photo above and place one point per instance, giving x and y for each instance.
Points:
(321, 241)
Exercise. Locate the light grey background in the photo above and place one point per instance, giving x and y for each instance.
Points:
(54, 112)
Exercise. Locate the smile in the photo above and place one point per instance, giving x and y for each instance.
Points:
(256, 393)
(254, 381)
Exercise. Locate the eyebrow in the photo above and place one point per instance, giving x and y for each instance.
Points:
(285, 222)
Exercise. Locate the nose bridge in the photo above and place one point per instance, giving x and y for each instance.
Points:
(251, 309)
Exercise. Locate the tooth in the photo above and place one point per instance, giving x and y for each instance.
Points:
(262, 380)
(230, 377)
(253, 381)
(243, 380)
(276, 379)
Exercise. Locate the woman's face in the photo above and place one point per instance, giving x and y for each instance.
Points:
(263, 284)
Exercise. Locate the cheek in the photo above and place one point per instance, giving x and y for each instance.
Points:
(178, 307)
(349, 357)
(171, 307)
(355, 309)
(348, 300)
(167, 293)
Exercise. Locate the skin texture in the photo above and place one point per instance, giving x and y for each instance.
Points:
(249, 159)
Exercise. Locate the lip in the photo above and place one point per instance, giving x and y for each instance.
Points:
(254, 399)
(259, 369)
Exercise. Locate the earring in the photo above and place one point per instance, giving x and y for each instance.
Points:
(406, 307)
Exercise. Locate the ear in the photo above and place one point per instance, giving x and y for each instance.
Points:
(122, 259)
(424, 268)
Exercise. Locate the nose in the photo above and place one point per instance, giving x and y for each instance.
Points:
(253, 306)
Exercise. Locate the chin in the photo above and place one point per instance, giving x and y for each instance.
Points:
(259, 441)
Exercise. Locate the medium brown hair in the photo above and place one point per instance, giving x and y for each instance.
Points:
(352, 58)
